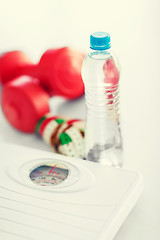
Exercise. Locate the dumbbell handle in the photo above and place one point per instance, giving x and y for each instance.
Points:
(31, 70)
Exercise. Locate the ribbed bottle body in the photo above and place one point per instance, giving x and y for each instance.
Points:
(101, 76)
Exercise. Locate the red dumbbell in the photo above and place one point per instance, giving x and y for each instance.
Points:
(59, 70)
(24, 102)
(10, 63)
(26, 99)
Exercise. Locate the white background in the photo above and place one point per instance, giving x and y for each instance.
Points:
(134, 25)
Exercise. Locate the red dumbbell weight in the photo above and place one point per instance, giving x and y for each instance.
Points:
(10, 63)
(24, 102)
(59, 70)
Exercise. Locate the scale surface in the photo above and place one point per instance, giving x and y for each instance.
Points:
(49, 196)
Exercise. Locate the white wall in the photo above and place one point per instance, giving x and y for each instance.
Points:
(34, 25)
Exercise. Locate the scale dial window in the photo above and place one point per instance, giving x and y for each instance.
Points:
(49, 175)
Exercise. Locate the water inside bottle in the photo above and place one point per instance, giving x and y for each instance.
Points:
(103, 141)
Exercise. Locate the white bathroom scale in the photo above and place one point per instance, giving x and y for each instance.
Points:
(49, 196)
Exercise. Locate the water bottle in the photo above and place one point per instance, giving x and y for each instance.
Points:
(101, 76)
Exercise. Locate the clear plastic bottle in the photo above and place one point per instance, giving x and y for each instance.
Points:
(100, 73)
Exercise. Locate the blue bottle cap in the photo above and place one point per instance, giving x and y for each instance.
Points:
(100, 41)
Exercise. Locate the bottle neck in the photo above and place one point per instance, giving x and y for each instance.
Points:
(100, 54)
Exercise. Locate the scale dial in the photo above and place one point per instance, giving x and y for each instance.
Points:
(49, 174)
